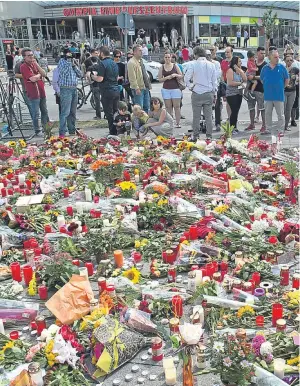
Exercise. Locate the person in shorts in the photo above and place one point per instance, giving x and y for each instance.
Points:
(258, 93)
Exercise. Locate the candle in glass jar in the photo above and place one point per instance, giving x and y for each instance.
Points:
(284, 275)
(224, 266)
(256, 278)
(170, 376)
(14, 335)
(101, 284)
(83, 272)
(277, 313)
(210, 269)
(21, 179)
(66, 192)
(177, 306)
(279, 365)
(3, 192)
(47, 228)
(69, 211)
(296, 281)
(43, 292)
(198, 278)
(76, 262)
(157, 349)
(10, 191)
(280, 325)
(193, 232)
(119, 258)
(27, 274)
(40, 324)
(90, 268)
(16, 271)
(260, 321)
(28, 184)
(60, 221)
(137, 257)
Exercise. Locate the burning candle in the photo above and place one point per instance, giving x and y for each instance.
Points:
(193, 232)
(14, 335)
(27, 274)
(43, 292)
(279, 365)
(70, 211)
(296, 281)
(3, 192)
(177, 306)
(90, 268)
(16, 271)
(260, 321)
(66, 192)
(119, 258)
(277, 313)
(256, 278)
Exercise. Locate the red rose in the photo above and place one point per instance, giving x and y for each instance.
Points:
(273, 240)
(65, 332)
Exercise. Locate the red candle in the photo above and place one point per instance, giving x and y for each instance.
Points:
(216, 266)
(126, 175)
(193, 232)
(47, 228)
(69, 210)
(66, 192)
(4, 182)
(224, 266)
(92, 213)
(101, 284)
(296, 281)
(182, 239)
(76, 262)
(3, 192)
(137, 257)
(277, 313)
(96, 199)
(16, 271)
(33, 244)
(210, 269)
(186, 234)
(97, 213)
(204, 272)
(14, 335)
(260, 320)
(177, 306)
(40, 324)
(26, 244)
(10, 191)
(28, 184)
(33, 325)
(284, 275)
(17, 189)
(43, 292)
(37, 251)
(256, 278)
(27, 274)
(90, 268)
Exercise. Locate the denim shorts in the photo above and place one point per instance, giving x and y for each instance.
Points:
(171, 94)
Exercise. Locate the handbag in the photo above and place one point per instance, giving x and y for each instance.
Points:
(222, 89)
(181, 84)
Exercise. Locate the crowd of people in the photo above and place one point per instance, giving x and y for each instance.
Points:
(268, 83)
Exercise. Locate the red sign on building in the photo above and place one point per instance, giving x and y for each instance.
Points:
(132, 10)
(83, 11)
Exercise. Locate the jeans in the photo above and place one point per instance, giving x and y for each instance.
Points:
(35, 105)
(96, 95)
(289, 99)
(143, 99)
(234, 102)
(110, 101)
(68, 105)
(204, 101)
(218, 106)
(279, 107)
(238, 42)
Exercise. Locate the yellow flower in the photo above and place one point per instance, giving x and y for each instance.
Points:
(127, 185)
(293, 361)
(137, 244)
(22, 143)
(162, 202)
(132, 274)
(221, 208)
(144, 242)
(246, 310)
(155, 195)
(32, 288)
(12, 144)
(83, 325)
(9, 344)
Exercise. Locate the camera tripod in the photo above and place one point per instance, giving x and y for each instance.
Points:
(7, 98)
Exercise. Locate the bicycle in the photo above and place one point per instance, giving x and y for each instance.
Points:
(83, 97)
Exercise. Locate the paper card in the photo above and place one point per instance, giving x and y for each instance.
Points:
(296, 339)
(274, 139)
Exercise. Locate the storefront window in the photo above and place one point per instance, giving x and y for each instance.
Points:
(50, 21)
(253, 32)
(35, 22)
(204, 30)
(215, 30)
(226, 30)
(234, 29)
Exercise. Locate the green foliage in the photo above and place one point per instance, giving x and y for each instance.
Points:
(227, 129)
(56, 273)
(269, 22)
(66, 376)
(292, 168)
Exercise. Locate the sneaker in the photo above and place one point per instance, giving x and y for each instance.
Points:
(250, 127)
(287, 129)
(264, 131)
(294, 123)
(218, 128)
(251, 95)
(182, 117)
(97, 117)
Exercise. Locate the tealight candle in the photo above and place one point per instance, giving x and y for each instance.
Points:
(14, 335)
(279, 365)
(170, 376)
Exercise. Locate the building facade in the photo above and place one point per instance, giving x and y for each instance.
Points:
(29, 22)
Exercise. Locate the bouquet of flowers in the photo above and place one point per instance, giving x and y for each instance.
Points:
(127, 189)
(108, 170)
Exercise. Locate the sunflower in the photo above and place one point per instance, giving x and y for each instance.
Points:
(245, 311)
(71, 163)
(133, 275)
(22, 143)
(12, 144)
(127, 185)
(221, 209)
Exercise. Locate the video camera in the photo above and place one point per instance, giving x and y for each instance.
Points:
(68, 54)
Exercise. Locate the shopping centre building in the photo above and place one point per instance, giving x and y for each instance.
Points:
(29, 21)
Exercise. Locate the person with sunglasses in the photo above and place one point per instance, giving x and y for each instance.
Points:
(121, 66)
(290, 90)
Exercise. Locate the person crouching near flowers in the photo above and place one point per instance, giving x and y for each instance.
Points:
(139, 118)
(160, 122)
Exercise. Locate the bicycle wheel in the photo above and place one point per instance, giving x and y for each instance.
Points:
(80, 98)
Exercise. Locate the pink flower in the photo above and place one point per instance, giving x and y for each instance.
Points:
(33, 350)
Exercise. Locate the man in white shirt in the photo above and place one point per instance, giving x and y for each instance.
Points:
(190, 48)
(211, 55)
(164, 40)
(246, 38)
(204, 89)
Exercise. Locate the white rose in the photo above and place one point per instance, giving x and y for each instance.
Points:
(266, 348)
(190, 333)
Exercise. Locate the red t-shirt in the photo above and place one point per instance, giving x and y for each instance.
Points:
(34, 90)
(185, 54)
(224, 67)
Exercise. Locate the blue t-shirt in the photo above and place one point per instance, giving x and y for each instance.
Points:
(273, 81)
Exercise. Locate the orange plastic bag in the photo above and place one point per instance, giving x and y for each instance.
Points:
(72, 301)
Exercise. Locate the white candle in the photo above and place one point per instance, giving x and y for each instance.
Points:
(198, 313)
(61, 221)
(88, 194)
(168, 362)
(137, 178)
(170, 375)
(1, 185)
(106, 222)
(94, 152)
(79, 207)
(198, 278)
(279, 365)
(78, 166)
(83, 272)
(2, 331)
(21, 179)
(154, 141)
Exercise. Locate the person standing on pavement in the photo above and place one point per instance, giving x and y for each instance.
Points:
(224, 67)
(145, 51)
(185, 54)
(121, 66)
(211, 56)
(94, 86)
(258, 93)
(295, 109)
(275, 78)
(246, 38)
(32, 75)
(238, 38)
(139, 80)
(290, 90)
(107, 76)
(234, 92)
(204, 90)
(69, 74)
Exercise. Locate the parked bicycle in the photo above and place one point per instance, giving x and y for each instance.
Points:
(83, 96)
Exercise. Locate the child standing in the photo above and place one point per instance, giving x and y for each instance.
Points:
(139, 119)
(251, 70)
(122, 119)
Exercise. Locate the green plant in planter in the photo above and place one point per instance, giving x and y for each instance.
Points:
(227, 129)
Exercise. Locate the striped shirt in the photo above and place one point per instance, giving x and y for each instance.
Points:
(68, 74)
